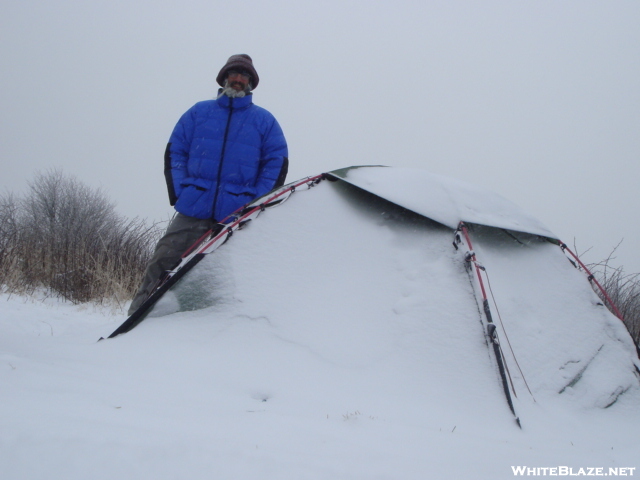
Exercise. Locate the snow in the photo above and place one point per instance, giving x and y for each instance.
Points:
(443, 199)
(340, 339)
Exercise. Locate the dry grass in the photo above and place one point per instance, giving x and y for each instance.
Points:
(66, 238)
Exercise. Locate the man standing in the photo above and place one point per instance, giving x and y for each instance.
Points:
(222, 154)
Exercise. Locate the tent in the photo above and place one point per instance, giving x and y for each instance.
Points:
(371, 259)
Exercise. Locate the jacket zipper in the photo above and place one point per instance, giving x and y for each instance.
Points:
(224, 147)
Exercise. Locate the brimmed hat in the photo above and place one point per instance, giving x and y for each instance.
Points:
(240, 62)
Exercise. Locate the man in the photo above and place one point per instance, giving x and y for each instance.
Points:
(222, 154)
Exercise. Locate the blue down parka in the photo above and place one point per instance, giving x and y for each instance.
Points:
(222, 154)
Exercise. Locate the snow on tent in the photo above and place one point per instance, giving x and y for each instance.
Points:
(412, 318)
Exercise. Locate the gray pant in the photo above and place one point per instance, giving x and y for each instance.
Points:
(182, 232)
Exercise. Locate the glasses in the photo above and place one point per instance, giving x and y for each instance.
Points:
(244, 74)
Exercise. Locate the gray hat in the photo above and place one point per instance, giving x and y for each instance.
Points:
(241, 61)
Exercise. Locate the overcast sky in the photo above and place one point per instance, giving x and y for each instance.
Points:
(536, 100)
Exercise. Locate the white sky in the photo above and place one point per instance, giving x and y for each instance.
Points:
(538, 101)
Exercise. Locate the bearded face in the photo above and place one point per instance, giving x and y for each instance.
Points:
(237, 84)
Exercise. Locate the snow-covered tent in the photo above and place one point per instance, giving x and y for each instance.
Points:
(367, 260)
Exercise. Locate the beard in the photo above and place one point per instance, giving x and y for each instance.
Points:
(231, 92)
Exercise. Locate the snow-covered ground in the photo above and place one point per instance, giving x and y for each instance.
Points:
(341, 340)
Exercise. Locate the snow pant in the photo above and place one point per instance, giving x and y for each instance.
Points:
(182, 233)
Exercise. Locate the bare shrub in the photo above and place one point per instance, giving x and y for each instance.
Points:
(67, 238)
(9, 233)
(624, 291)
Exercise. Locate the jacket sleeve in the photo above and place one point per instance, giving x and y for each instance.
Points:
(176, 155)
(274, 159)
